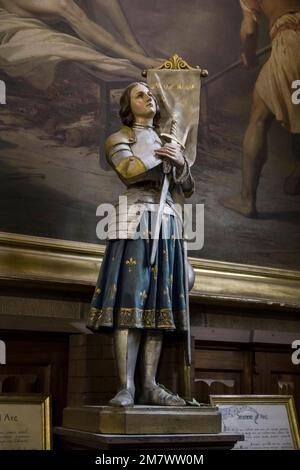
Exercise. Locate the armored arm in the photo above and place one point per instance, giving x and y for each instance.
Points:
(184, 178)
(173, 154)
(129, 167)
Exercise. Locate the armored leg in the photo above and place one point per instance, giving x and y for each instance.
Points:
(152, 393)
(126, 345)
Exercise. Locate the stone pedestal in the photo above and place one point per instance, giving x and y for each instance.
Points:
(143, 428)
(143, 420)
(71, 439)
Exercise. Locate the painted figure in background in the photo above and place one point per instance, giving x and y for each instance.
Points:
(272, 95)
(139, 300)
(31, 47)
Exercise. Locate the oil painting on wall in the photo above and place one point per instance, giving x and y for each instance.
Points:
(64, 75)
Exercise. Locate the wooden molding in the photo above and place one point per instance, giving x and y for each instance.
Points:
(69, 265)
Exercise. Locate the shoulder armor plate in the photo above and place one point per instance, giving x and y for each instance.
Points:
(124, 136)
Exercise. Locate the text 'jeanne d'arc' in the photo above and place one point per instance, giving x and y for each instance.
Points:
(171, 86)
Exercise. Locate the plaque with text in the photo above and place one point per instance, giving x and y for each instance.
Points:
(25, 422)
(268, 422)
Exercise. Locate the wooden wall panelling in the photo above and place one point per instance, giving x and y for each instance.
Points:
(37, 363)
(221, 371)
(25, 379)
(276, 374)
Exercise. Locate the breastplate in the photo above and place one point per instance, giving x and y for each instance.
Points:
(147, 141)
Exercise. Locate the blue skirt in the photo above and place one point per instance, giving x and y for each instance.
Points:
(130, 293)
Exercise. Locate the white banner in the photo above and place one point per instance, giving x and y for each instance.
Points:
(178, 94)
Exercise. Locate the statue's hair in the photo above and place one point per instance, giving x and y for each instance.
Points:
(126, 113)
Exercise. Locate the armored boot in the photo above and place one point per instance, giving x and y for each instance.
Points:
(152, 393)
(126, 345)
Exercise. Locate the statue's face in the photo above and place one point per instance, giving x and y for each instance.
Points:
(142, 102)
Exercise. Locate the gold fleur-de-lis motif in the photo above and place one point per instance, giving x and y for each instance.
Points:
(182, 295)
(173, 237)
(166, 291)
(131, 262)
(154, 271)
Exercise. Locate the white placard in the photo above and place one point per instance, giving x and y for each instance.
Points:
(268, 423)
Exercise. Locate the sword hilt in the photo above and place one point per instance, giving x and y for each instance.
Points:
(167, 167)
(173, 134)
(173, 128)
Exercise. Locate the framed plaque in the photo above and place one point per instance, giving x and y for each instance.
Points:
(25, 422)
(268, 422)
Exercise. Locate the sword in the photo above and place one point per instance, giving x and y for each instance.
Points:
(187, 343)
(167, 169)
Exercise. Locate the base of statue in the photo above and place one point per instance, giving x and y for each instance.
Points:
(71, 439)
(143, 419)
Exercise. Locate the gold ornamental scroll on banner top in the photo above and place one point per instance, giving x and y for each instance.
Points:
(177, 87)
